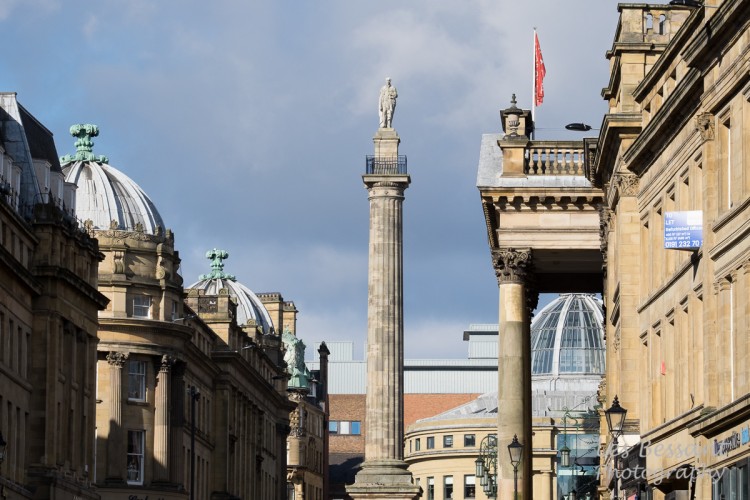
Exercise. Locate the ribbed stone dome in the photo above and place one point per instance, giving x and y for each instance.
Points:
(567, 337)
(249, 306)
(104, 193)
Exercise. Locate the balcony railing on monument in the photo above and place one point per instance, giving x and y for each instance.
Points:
(554, 158)
(386, 165)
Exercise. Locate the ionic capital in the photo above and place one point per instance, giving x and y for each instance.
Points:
(512, 265)
(166, 363)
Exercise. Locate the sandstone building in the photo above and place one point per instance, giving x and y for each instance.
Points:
(48, 319)
(668, 176)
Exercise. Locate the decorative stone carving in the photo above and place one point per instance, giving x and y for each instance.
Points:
(295, 422)
(117, 359)
(387, 104)
(626, 184)
(161, 269)
(511, 265)
(113, 224)
(704, 124)
(119, 261)
(166, 363)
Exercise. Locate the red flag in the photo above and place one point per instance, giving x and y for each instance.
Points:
(539, 72)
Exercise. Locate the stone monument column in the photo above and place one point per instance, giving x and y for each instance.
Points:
(116, 440)
(512, 267)
(161, 420)
(384, 473)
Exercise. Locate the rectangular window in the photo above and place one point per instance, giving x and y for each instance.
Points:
(137, 380)
(448, 441)
(470, 490)
(344, 428)
(430, 442)
(356, 428)
(430, 488)
(333, 427)
(470, 440)
(135, 456)
(142, 306)
(417, 444)
(447, 487)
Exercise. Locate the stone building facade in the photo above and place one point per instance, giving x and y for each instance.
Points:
(674, 144)
(48, 319)
(190, 394)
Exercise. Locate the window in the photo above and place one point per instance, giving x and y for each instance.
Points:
(430, 442)
(448, 441)
(447, 487)
(345, 427)
(470, 490)
(135, 457)
(417, 444)
(470, 440)
(142, 306)
(430, 488)
(137, 380)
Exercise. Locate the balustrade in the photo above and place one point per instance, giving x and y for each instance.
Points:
(554, 158)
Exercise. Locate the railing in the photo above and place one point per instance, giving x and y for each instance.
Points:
(554, 158)
(386, 165)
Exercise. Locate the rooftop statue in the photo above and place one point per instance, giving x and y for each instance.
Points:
(387, 104)
(295, 360)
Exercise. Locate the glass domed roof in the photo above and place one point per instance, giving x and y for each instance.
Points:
(567, 337)
(106, 195)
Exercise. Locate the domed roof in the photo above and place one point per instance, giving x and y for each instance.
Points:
(104, 193)
(567, 337)
(249, 306)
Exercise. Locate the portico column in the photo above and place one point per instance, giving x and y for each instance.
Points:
(116, 442)
(512, 267)
(161, 420)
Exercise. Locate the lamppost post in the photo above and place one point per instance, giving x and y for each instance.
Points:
(515, 449)
(615, 421)
(486, 465)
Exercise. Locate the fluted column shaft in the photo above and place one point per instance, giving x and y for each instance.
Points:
(385, 323)
(161, 420)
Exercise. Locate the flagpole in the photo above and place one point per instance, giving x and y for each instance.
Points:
(533, 85)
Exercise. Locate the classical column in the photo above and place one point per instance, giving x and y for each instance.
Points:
(161, 420)
(384, 473)
(177, 424)
(512, 267)
(116, 441)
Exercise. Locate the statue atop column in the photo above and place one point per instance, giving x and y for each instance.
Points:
(387, 104)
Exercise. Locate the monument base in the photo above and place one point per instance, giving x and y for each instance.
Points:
(384, 480)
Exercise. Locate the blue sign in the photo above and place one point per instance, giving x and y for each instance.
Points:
(683, 230)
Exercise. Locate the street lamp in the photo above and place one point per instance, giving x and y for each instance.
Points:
(615, 421)
(515, 449)
(3, 444)
(578, 127)
(486, 465)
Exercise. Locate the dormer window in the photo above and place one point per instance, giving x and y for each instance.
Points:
(142, 306)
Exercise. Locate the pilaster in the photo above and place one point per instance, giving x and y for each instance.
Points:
(116, 440)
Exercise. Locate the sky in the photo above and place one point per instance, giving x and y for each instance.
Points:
(248, 122)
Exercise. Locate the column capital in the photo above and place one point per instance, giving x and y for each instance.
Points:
(512, 265)
(117, 359)
(166, 362)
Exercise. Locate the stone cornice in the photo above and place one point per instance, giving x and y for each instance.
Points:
(672, 52)
(75, 281)
(717, 31)
(669, 120)
(615, 127)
